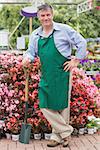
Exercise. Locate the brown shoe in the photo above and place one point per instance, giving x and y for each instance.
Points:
(65, 143)
(52, 143)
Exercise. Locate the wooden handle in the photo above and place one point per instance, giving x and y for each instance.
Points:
(30, 24)
(26, 89)
(26, 84)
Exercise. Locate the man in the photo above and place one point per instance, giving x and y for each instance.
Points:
(52, 42)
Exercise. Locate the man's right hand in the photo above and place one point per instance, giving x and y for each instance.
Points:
(26, 62)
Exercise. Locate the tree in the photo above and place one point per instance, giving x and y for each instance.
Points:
(9, 19)
(88, 21)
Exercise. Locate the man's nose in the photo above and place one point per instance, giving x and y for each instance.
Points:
(46, 17)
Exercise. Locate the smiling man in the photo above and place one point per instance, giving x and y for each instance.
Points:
(52, 42)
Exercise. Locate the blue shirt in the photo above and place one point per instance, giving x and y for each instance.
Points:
(65, 38)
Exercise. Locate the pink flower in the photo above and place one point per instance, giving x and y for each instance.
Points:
(14, 77)
(20, 92)
(36, 105)
(16, 101)
(10, 94)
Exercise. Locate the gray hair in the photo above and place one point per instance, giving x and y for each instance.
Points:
(44, 7)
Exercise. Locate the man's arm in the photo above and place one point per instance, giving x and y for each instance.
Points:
(80, 43)
(77, 40)
(29, 55)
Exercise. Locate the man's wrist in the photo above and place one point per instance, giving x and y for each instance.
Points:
(76, 59)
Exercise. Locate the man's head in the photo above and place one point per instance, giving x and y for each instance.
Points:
(45, 14)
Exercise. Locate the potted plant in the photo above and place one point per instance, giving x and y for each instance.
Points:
(81, 129)
(36, 129)
(94, 122)
(1, 127)
(7, 129)
(12, 127)
(37, 133)
(90, 128)
(46, 129)
(8, 134)
(15, 130)
(47, 133)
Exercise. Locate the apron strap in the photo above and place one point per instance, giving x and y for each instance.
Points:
(51, 35)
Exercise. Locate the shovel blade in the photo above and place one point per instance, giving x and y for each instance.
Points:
(25, 133)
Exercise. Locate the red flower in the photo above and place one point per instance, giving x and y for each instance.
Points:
(13, 120)
(14, 77)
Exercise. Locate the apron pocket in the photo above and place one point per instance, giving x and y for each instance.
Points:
(43, 94)
(42, 83)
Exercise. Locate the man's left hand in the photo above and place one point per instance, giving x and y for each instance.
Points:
(69, 65)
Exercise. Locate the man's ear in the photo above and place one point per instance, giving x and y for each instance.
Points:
(37, 15)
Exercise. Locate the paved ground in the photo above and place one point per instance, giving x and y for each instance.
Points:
(83, 142)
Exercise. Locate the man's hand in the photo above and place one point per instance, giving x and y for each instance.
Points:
(69, 65)
(26, 62)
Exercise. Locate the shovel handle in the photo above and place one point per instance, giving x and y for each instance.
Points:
(26, 88)
(26, 71)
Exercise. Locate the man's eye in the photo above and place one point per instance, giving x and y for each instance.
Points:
(48, 15)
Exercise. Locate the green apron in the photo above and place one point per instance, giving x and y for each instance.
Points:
(54, 83)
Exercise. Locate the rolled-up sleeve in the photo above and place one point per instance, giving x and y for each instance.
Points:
(30, 53)
(80, 43)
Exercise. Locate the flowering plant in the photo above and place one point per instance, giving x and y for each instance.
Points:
(36, 128)
(93, 122)
(84, 97)
(90, 65)
(12, 125)
(96, 79)
(46, 126)
(12, 85)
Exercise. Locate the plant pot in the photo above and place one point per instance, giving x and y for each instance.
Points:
(95, 129)
(37, 136)
(85, 130)
(47, 136)
(81, 131)
(15, 137)
(1, 123)
(8, 136)
(90, 130)
(0, 134)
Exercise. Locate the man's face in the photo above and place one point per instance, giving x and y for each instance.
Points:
(45, 17)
